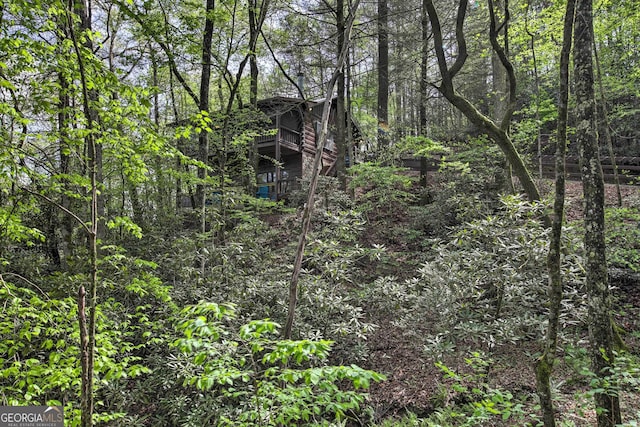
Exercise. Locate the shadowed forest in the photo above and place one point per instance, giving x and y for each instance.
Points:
(336, 213)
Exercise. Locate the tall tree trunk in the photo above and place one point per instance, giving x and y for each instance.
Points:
(504, 77)
(383, 73)
(604, 117)
(600, 325)
(95, 231)
(317, 161)
(424, 87)
(253, 87)
(532, 41)
(253, 63)
(544, 365)
(341, 142)
(205, 84)
(500, 86)
(351, 149)
(64, 106)
(179, 145)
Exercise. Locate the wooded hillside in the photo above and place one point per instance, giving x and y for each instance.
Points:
(206, 218)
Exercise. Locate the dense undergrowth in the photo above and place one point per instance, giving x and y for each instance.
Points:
(188, 321)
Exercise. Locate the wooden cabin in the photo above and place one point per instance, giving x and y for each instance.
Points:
(287, 156)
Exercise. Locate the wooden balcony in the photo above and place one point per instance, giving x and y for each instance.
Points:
(287, 138)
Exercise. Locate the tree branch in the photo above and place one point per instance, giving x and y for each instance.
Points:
(500, 51)
(306, 219)
(438, 44)
(279, 64)
(460, 40)
(163, 45)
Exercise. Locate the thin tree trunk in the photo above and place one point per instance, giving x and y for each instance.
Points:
(351, 150)
(497, 132)
(144, 24)
(322, 138)
(604, 115)
(66, 228)
(253, 63)
(424, 87)
(88, 327)
(205, 83)
(500, 82)
(383, 73)
(597, 286)
(544, 365)
(254, 160)
(340, 107)
(256, 19)
(532, 40)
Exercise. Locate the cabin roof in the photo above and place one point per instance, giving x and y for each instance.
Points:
(279, 105)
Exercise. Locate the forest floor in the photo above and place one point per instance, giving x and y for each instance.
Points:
(414, 384)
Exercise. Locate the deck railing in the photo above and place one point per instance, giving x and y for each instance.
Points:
(287, 136)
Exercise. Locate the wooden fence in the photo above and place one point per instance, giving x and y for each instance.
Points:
(628, 168)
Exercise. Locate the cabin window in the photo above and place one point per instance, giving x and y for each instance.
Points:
(267, 188)
(331, 143)
(266, 177)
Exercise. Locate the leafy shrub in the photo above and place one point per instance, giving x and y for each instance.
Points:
(623, 238)
(384, 189)
(39, 351)
(466, 187)
(485, 286)
(469, 401)
(262, 379)
(465, 399)
(623, 377)
(328, 194)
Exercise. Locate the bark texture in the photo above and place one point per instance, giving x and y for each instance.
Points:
(496, 131)
(205, 82)
(544, 365)
(341, 124)
(82, 9)
(424, 86)
(317, 162)
(600, 326)
(383, 73)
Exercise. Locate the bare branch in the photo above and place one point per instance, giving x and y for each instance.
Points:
(500, 52)
(462, 43)
(163, 45)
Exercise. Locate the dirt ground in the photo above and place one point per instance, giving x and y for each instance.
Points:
(415, 384)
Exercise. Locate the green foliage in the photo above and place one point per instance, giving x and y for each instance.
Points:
(482, 284)
(466, 188)
(39, 350)
(480, 402)
(623, 238)
(409, 146)
(537, 118)
(12, 228)
(622, 378)
(127, 224)
(385, 190)
(485, 286)
(266, 380)
(328, 194)
(465, 398)
(420, 146)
